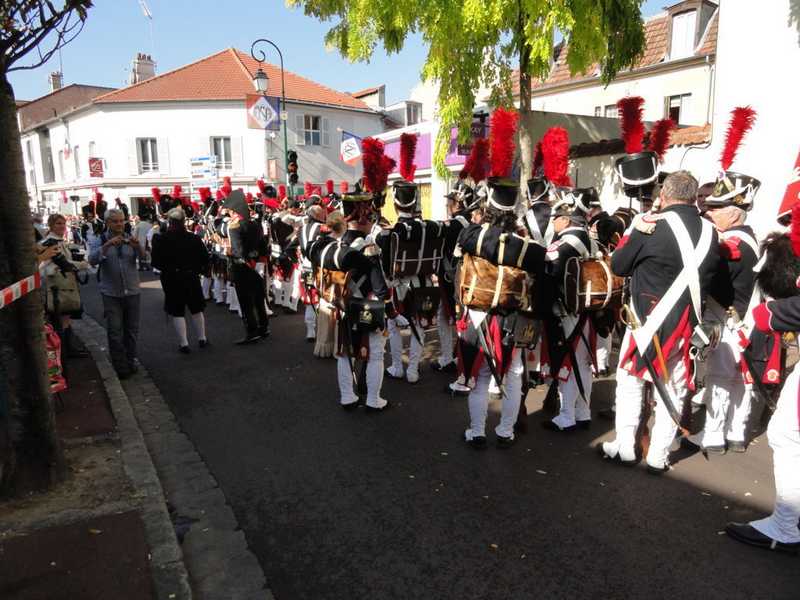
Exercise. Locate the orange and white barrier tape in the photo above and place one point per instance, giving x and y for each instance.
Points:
(17, 290)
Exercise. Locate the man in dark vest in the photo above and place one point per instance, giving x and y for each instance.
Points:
(247, 247)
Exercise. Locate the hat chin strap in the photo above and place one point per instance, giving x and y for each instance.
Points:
(636, 182)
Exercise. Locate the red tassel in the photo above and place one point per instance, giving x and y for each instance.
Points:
(262, 185)
(538, 159)
(501, 139)
(329, 187)
(659, 137)
(742, 119)
(377, 165)
(631, 125)
(281, 192)
(408, 149)
(555, 156)
(343, 187)
(795, 232)
(156, 193)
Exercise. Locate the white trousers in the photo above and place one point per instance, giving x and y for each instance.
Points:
(479, 400)
(219, 290)
(374, 373)
(233, 299)
(445, 329)
(310, 319)
(784, 439)
(205, 284)
(414, 347)
(629, 396)
(727, 398)
(604, 351)
(573, 406)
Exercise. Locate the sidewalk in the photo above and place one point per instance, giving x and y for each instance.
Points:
(104, 532)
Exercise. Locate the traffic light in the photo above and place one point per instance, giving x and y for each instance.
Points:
(291, 158)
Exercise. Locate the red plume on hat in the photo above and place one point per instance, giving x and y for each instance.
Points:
(261, 185)
(281, 192)
(631, 125)
(742, 119)
(501, 138)
(555, 156)
(248, 197)
(477, 164)
(794, 234)
(226, 182)
(329, 186)
(155, 193)
(308, 188)
(343, 187)
(220, 196)
(408, 149)
(377, 165)
(176, 191)
(98, 196)
(659, 137)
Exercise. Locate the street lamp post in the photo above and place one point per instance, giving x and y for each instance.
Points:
(261, 82)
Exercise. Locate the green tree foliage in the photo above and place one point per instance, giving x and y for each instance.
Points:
(475, 41)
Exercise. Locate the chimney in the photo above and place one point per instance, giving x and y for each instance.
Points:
(56, 81)
(143, 68)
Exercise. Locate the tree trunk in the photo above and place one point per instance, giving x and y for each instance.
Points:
(27, 420)
(526, 141)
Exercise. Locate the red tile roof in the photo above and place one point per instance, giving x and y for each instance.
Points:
(227, 75)
(655, 31)
(58, 103)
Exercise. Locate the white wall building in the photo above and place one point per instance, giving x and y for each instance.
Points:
(146, 134)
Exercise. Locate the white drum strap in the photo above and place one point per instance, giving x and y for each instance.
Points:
(484, 228)
(522, 254)
(498, 285)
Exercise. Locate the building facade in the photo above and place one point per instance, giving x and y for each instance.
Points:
(123, 143)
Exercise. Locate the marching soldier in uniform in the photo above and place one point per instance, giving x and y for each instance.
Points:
(671, 257)
(247, 247)
(316, 216)
(413, 253)
(571, 340)
(733, 296)
(362, 312)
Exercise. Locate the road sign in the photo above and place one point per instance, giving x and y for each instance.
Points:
(204, 173)
(263, 112)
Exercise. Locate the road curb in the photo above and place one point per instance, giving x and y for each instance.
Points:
(213, 546)
(170, 578)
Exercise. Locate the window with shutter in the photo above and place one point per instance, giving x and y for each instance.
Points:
(299, 129)
(326, 132)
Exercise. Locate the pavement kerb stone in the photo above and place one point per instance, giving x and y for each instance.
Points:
(170, 578)
(227, 570)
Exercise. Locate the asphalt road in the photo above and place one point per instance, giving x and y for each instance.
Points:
(340, 505)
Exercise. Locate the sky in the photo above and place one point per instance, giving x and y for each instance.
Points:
(187, 30)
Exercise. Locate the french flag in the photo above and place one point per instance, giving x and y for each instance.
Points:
(350, 149)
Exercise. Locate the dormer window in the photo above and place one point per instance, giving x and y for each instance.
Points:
(684, 27)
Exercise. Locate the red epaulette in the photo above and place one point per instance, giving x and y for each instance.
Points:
(729, 248)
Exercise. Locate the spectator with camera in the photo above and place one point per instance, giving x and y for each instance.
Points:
(60, 267)
(115, 253)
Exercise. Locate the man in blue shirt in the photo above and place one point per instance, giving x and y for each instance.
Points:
(115, 253)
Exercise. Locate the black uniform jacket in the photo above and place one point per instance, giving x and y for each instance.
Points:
(653, 261)
(179, 251)
(519, 252)
(247, 240)
(734, 281)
